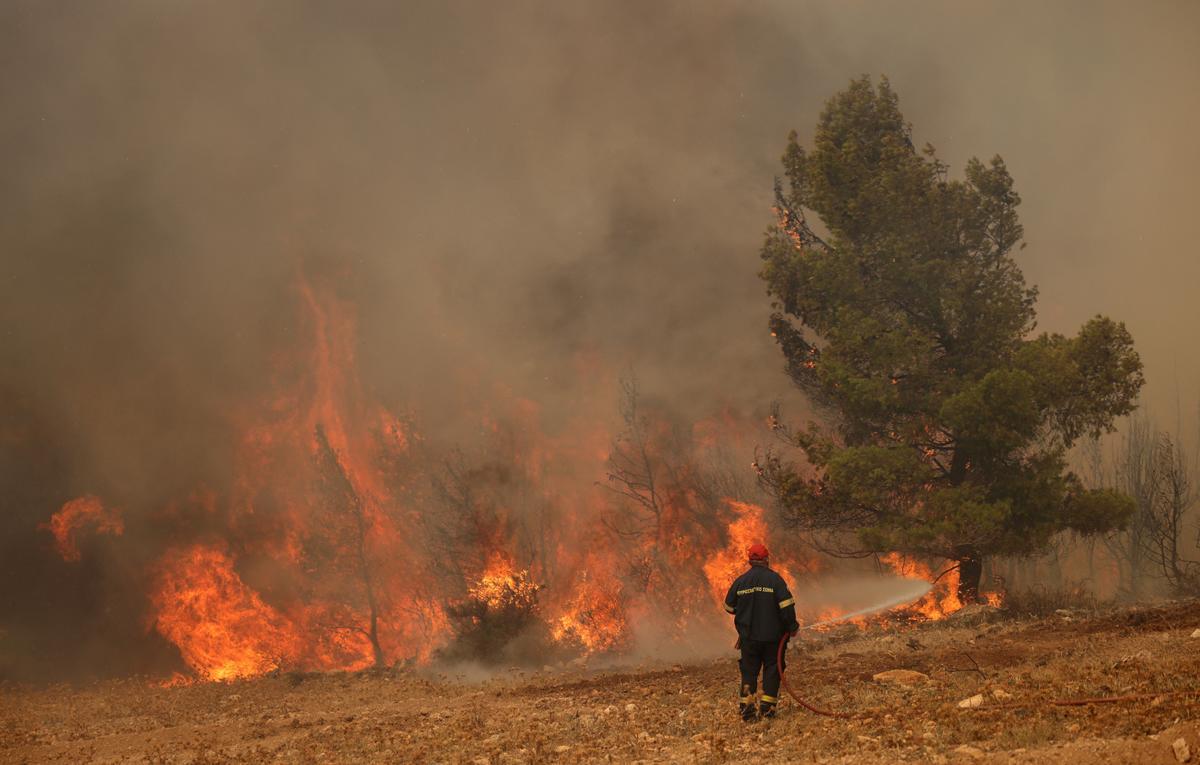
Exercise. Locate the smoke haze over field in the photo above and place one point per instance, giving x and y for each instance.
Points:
(512, 196)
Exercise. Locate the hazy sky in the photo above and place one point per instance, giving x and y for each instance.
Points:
(504, 188)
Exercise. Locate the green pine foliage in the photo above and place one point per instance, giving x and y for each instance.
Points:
(945, 420)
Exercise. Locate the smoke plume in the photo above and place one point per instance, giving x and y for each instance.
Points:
(518, 200)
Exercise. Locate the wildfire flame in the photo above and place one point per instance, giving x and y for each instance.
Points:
(593, 616)
(222, 627)
(318, 556)
(77, 515)
(309, 504)
(502, 586)
(939, 602)
(747, 528)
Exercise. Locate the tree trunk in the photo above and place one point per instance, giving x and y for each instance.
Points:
(373, 632)
(970, 571)
(1091, 566)
(369, 586)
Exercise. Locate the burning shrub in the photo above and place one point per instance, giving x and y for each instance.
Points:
(594, 619)
(500, 608)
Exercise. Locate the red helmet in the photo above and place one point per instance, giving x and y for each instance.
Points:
(758, 552)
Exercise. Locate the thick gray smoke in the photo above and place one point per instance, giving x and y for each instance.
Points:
(501, 190)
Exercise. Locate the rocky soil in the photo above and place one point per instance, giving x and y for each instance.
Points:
(978, 688)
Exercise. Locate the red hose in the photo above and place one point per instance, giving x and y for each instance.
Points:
(783, 679)
(1018, 705)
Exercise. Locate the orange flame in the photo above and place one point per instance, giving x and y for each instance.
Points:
(223, 629)
(727, 564)
(76, 515)
(502, 585)
(942, 600)
(593, 618)
(319, 532)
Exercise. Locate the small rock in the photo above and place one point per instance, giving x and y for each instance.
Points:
(562, 748)
(970, 751)
(631, 707)
(1182, 752)
(1001, 694)
(1196, 633)
(900, 677)
(971, 703)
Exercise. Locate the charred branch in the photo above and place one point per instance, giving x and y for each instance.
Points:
(346, 503)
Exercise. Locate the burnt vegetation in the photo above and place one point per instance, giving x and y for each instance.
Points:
(340, 558)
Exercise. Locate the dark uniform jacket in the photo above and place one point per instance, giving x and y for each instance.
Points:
(761, 605)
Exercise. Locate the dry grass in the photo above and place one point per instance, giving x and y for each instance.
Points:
(1043, 601)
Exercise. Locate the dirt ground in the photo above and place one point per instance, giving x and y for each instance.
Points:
(678, 713)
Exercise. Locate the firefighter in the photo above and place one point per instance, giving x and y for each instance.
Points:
(764, 611)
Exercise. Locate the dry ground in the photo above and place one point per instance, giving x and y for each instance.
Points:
(675, 713)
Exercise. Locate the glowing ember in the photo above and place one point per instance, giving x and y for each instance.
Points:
(176, 680)
(77, 515)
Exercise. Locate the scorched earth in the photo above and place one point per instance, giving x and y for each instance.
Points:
(1144, 661)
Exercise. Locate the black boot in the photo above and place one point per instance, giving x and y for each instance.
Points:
(766, 710)
(746, 710)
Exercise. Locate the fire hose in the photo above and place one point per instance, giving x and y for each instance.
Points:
(1017, 705)
(861, 612)
(883, 606)
(783, 679)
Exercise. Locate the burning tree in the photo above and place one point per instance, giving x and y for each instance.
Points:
(680, 515)
(669, 504)
(341, 556)
(910, 326)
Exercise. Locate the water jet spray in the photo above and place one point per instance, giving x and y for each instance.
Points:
(919, 589)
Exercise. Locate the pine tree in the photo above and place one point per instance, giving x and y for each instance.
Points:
(944, 420)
